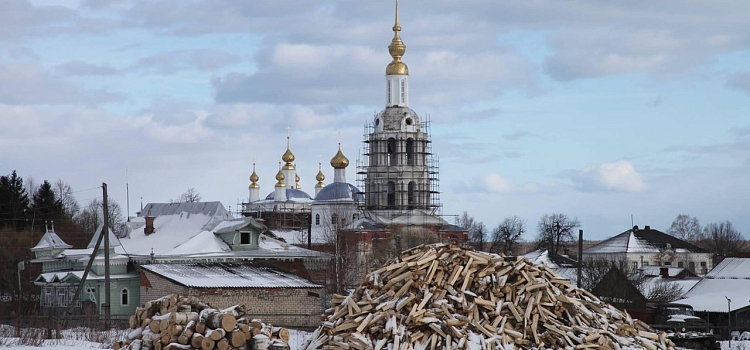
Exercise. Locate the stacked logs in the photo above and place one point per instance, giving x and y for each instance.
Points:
(446, 297)
(174, 322)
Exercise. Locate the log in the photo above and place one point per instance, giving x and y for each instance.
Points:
(197, 340)
(200, 327)
(218, 320)
(222, 344)
(237, 338)
(208, 343)
(281, 333)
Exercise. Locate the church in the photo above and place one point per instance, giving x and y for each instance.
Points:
(397, 186)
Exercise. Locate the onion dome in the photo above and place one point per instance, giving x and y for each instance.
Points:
(254, 179)
(320, 177)
(397, 50)
(296, 180)
(280, 179)
(339, 161)
(288, 156)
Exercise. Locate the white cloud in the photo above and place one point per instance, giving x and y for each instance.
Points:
(496, 183)
(617, 176)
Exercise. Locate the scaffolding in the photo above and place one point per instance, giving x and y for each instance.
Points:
(404, 160)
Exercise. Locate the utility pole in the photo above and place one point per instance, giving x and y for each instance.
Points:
(580, 257)
(105, 233)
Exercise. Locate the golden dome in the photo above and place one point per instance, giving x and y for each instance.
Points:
(397, 50)
(280, 179)
(339, 161)
(288, 156)
(320, 177)
(254, 179)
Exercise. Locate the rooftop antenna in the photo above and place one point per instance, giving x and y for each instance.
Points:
(141, 204)
(632, 223)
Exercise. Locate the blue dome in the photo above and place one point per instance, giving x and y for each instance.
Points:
(340, 190)
(291, 193)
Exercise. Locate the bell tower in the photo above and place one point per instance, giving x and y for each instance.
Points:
(399, 172)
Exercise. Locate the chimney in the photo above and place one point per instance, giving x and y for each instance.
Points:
(663, 271)
(635, 228)
(149, 229)
(647, 227)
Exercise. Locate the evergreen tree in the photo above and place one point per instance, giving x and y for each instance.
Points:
(44, 203)
(14, 202)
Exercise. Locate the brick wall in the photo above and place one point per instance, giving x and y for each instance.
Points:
(287, 307)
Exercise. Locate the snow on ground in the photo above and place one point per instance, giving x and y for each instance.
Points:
(84, 338)
(736, 345)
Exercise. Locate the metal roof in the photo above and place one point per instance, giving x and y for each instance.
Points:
(206, 208)
(339, 191)
(291, 194)
(225, 275)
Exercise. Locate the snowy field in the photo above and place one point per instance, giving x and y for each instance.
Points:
(84, 338)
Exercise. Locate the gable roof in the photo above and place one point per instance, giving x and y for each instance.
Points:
(730, 279)
(646, 240)
(551, 259)
(113, 241)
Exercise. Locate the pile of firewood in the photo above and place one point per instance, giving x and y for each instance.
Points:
(174, 322)
(447, 297)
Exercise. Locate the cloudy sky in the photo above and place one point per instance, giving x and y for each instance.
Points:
(595, 109)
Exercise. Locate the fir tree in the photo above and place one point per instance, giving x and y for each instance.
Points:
(14, 202)
(45, 205)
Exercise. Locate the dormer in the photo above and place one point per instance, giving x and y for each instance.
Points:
(240, 234)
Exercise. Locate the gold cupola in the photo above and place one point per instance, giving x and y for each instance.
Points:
(397, 50)
(339, 161)
(254, 179)
(280, 179)
(296, 180)
(320, 177)
(288, 156)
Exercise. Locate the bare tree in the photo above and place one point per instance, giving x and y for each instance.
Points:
(507, 234)
(91, 216)
(477, 230)
(685, 227)
(594, 269)
(661, 291)
(64, 194)
(721, 238)
(189, 196)
(554, 230)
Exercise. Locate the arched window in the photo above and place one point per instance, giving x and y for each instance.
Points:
(124, 297)
(410, 151)
(317, 219)
(392, 157)
(334, 219)
(412, 188)
(391, 194)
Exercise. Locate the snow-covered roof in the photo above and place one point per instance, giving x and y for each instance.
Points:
(228, 276)
(645, 240)
(113, 241)
(338, 191)
(655, 270)
(292, 194)
(236, 224)
(50, 240)
(731, 268)
(205, 208)
(65, 276)
(730, 279)
(170, 231)
(552, 260)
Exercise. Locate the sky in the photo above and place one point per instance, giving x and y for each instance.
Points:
(599, 110)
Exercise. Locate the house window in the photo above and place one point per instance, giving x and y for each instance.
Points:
(317, 219)
(48, 296)
(245, 238)
(634, 266)
(645, 263)
(680, 264)
(691, 266)
(704, 267)
(124, 297)
(62, 297)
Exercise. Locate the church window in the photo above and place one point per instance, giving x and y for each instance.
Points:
(317, 219)
(388, 86)
(409, 121)
(412, 188)
(403, 90)
(392, 157)
(245, 238)
(124, 297)
(391, 194)
(410, 151)
(334, 219)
